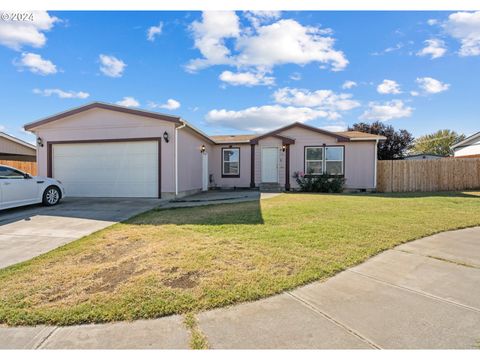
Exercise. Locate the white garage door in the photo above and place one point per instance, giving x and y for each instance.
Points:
(116, 169)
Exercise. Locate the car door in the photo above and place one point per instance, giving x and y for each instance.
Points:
(17, 189)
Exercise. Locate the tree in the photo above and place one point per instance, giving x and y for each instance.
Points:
(396, 144)
(437, 143)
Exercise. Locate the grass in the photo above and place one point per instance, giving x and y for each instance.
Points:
(190, 259)
(198, 341)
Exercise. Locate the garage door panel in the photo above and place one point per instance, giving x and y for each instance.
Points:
(117, 169)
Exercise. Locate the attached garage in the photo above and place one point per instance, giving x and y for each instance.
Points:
(119, 168)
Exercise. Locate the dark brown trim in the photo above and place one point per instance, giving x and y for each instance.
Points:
(98, 105)
(324, 157)
(157, 139)
(287, 167)
(303, 126)
(252, 166)
(285, 140)
(239, 162)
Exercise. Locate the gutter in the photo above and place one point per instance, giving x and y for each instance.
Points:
(176, 155)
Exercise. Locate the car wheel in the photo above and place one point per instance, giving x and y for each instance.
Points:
(51, 196)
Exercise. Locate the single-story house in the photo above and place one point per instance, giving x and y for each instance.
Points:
(469, 147)
(423, 157)
(107, 150)
(15, 149)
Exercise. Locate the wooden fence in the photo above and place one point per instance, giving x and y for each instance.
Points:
(428, 175)
(26, 166)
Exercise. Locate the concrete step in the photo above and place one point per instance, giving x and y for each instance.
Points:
(271, 187)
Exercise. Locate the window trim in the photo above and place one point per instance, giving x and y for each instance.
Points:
(324, 159)
(223, 162)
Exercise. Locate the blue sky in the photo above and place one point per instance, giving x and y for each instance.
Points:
(242, 72)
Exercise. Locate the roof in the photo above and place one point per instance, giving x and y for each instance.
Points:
(466, 141)
(106, 106)
(17, 140)
(225, 139)
(424, 154)
(358, 135)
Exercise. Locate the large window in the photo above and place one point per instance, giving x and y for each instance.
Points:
(324, 159)
(231, 162)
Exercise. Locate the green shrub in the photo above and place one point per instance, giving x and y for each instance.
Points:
(319, 183)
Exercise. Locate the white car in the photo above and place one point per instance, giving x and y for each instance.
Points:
(18, 189)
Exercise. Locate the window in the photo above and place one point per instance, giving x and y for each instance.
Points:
(8, 173)
(324, 159)
(231, 162)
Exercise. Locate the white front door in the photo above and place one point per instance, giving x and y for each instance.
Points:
(270, 165)
(204, 171)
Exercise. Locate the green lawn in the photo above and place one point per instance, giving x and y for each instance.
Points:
(185, 260)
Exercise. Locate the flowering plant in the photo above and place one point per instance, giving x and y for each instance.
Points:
(319, 183)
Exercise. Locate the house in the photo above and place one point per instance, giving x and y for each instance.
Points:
(468, 148)
(14, 149)
(107, 150)
(423, 157)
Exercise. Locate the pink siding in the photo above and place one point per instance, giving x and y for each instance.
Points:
(97, 124)
(215, 164)
(359, 156)
(190, 160)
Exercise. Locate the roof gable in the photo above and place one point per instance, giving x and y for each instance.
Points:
(99, 105)
(468, 141)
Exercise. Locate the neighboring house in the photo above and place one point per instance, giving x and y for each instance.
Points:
(423, 157)
(14, 149)
(470, 147)
(108, 150)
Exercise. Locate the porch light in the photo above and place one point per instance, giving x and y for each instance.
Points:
(284, 147)
(202, 149)
(40, 141)
(166, 137)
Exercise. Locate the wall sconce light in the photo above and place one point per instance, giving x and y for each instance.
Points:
(202, 150)
(284, 147)
(40, 141)
(166, 137)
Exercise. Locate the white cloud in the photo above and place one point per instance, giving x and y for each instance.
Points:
(261, 17)
(2, 128)
(283, 42)
(435, 48)
(36, 64)
(431, 86)
(335, 128)
(154, 31)
(296, 76)
(386, 111)
(171, 104)
(128, 101)
(432, 22)
(325, 100)
(210, 35)
(465, 26)
(16, 34)
(349, 84)
(389, 87)
(414, 93)
(111, 66)
(262, 118)
(62, 94)
(246, 78)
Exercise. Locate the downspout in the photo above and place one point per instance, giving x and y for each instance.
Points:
(176, 156)
(375, 166)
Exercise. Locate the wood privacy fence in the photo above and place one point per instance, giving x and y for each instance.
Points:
(428, 175)
(26, 166)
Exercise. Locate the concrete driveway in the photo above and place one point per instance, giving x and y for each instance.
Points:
(33, 230)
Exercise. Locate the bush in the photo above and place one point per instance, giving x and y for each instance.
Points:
(319, 183)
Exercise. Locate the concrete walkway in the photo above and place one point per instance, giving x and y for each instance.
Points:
(420, 295)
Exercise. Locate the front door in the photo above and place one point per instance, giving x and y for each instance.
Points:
(270, 165)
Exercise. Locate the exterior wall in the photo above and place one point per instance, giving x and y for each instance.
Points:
(269, 142)
(96, 124)
(359, 157)
(472, 149)
(10, 147)
(215, 164)
(190, 160)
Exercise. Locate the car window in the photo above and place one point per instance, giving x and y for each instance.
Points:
(8, 173)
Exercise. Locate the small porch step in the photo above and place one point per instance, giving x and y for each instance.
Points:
(271, 187)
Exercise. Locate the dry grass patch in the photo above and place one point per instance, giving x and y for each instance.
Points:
(190, 259)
